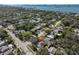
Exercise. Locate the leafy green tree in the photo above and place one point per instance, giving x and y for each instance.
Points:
(9, 40)
(26, 35)
(48, 30)
(43, 51)
(18, 51)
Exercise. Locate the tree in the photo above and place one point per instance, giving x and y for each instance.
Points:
(9, 40)
(43, 51)
(18, 51)
(26, 35)
(48, 30)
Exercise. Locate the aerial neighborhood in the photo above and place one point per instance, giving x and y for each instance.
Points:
(38, 32)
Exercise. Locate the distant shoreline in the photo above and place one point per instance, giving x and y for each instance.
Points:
(56, 8)
(51, 8)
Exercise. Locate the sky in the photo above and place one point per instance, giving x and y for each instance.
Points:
(11, 2)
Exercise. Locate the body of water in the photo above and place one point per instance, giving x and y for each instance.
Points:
(61, 8)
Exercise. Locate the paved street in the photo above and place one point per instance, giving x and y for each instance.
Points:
(19, 43)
